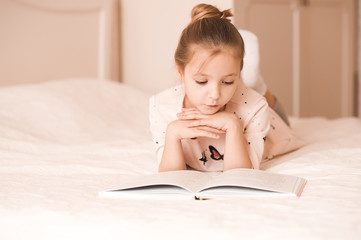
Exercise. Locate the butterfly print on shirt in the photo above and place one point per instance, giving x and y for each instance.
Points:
(204, 158)
(215, 154)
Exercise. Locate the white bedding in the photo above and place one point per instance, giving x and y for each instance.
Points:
(61, 142)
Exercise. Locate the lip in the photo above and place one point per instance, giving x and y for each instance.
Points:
(212, 106)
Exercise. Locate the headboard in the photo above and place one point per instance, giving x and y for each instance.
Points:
(45, 40)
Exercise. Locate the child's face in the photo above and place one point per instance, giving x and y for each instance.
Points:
(210, 81)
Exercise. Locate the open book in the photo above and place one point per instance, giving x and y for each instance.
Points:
(189, 184)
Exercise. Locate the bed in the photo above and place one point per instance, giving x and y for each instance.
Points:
(62, 141)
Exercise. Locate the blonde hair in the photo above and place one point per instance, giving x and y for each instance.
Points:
(209, 28)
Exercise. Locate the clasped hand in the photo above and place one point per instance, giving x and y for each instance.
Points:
(192, 123)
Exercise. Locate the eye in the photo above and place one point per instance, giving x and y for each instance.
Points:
(228, 82)
(201, 82)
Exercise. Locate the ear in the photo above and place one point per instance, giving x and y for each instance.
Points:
(179, 73)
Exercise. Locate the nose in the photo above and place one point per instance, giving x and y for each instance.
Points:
(214, 92)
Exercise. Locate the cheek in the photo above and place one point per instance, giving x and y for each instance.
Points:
(229, 92)
(192, 93)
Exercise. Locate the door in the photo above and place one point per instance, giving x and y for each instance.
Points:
(307, 52)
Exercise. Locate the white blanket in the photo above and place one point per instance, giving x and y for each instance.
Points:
(63, 141)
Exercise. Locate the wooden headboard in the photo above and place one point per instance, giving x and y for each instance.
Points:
(45, 40)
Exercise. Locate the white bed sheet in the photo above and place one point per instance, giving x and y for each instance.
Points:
(61, 142)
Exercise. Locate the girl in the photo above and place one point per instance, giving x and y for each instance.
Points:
(211, 122)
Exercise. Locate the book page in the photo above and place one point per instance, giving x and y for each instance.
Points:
(258, 179)
(155, 192)
(226, 192)
(187, 179)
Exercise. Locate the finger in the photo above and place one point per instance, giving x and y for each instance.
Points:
(211, 129)
(207, 123)
(184, 110)
(200, 123)
(203, 133)
(189, 109)
(191, 115)
(204, 124)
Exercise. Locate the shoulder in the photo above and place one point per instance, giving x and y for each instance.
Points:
(170, 96)
(166, 104)
(246, 102)
(247, 97)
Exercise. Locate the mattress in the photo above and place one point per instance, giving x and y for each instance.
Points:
(61, 142)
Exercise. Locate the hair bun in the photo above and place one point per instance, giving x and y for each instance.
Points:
(202, 11)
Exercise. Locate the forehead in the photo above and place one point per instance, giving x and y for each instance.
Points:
(202, 56)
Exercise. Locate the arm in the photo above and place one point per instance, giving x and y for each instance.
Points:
(167, 137)
(236, 154)
(173, 157)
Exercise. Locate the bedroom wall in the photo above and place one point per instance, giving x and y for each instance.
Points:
(149, 33)
(313, 42)
(358, 105)
(43, 40)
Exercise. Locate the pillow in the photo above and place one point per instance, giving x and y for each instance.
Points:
(280, 138)
(251, 76)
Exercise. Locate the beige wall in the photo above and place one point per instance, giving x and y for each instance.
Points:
(42, 40)
(149, 33)
(358, 105)
(307, 51)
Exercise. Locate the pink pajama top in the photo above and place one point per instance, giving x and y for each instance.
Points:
(206, 154)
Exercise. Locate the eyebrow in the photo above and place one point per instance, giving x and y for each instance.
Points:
(227, 75)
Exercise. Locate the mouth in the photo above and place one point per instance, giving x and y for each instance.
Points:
(213, 106)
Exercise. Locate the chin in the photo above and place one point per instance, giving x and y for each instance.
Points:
(209, 111)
